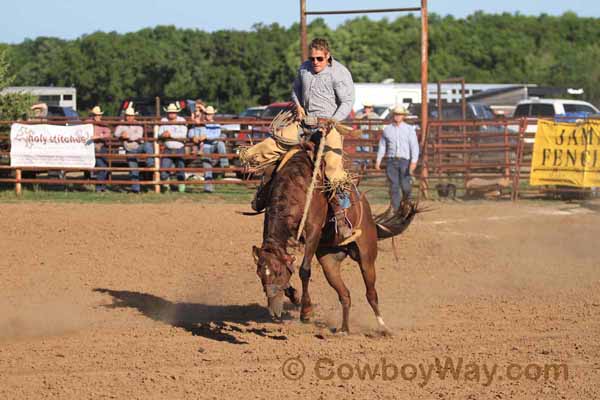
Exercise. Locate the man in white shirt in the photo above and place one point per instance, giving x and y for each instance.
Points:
(132, 136)
(176, 130)
(400, 147)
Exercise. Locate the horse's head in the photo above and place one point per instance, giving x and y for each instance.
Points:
(274, 267)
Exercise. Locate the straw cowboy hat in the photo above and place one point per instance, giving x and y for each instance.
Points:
(97, 111)
(40, 110)
(130, 111)
(39, 106)
(172, 108)
(400, 110)
(210, 110)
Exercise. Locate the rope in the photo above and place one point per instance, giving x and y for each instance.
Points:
(311, 188)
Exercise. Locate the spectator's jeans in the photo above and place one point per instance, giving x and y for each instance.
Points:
(216, 147)
(172, 162)
(363, 149)
(134, 174)
(101, 163)
(397, 171)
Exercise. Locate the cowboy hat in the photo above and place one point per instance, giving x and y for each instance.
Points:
(97, 110)
(130, 111)
(210, 110)
(172, 108)
(367, 104)
(400, 110)
(39, 106)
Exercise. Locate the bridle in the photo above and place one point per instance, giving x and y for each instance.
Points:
(272, 289)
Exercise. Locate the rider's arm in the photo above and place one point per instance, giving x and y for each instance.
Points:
(343, 87)
(297, 90)
(414, 151)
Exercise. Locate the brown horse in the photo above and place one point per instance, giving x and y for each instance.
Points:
(285, 206)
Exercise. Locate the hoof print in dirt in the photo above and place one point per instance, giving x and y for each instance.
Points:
(379, 334)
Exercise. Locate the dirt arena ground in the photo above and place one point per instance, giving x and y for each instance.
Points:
(161, 301)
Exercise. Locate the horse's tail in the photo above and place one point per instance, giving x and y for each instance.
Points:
(390, 224)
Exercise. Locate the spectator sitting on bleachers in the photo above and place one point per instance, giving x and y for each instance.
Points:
(207, 137)
(197, 118)
(174, 147)
(40, 112)
(199, 109)
(366, 114)
(101, 134)
(133, 142)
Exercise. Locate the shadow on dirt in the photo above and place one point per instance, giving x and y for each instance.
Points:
(216, 322)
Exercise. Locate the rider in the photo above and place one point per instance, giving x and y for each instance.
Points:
(323, 88)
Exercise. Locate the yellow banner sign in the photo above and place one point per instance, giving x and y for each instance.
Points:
(566, 154)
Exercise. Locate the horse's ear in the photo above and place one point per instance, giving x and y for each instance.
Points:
(255, 253)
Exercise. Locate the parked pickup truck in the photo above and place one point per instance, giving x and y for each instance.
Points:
(551, 108)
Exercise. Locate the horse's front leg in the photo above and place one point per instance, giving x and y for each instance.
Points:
(306, 311)
(313, 236)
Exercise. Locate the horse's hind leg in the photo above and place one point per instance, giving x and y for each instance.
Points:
(368, 273)
(331, 268)
(367, 253)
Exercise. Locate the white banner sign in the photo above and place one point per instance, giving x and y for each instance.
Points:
(52, 146)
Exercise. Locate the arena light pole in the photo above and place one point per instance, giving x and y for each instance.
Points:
(424, 96)
(303, 44)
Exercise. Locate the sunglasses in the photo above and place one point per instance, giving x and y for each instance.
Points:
(319, 59)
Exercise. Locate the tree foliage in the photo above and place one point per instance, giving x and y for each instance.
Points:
(235, 69)
(13, 105)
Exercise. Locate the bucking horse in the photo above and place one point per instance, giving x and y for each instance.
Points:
(285, 202)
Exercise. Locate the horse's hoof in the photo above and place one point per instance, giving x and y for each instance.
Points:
(385, 332)
(340, 332)
(306, 314)
(292, 295)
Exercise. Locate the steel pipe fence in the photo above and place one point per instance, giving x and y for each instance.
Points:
(489, 159)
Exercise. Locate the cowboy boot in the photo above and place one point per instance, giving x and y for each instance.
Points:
(342, 226)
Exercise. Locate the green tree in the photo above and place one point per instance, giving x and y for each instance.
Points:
(12, 105)
(234, 69)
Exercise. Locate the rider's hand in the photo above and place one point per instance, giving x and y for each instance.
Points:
(300, 111)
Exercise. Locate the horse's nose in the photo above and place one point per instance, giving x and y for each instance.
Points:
(276, 306)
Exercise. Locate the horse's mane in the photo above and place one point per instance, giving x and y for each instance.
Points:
(286, 203)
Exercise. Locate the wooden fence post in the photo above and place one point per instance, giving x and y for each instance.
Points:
(18, 188)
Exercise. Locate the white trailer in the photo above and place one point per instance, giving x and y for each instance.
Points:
(385, 94)
(51, 95)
